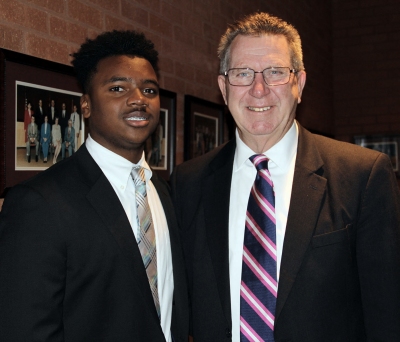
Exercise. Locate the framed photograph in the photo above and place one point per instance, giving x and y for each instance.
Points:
(45, 105)
(385, 144)
(26, 80)
(160, 147)
(204, 126)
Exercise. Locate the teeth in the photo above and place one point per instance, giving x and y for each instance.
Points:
(136, 118)
(257, 109)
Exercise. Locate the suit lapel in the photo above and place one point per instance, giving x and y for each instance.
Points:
(307, 194)
(108, 207)
(217, 186)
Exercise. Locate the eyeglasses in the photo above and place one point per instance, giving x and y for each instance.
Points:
(273, 76)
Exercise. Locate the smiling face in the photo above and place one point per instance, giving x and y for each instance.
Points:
(123, 105)
(263, 113)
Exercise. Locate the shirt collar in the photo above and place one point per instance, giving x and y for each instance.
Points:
(117, 169)
(280, 154)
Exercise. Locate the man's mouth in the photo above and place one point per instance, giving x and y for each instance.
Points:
(259, 109)
(136, 118)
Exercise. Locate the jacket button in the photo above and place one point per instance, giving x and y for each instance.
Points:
(228, 333)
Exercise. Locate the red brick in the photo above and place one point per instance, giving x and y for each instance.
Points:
(160, 25)
(112, 6)
(174, 84)
(35, 19)
(172, 13)
(12, 11)
(58, 27)
(154, 5)
(51, 50)
(203, 9)
(203, 76)
(183, 36)
(116, 23)
(193, 23)
(10, 38)
(53, 5)
(134, 13)
(184, 71)
(85, 14)
(166, 65)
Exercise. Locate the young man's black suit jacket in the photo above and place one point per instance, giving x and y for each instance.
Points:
(340, 269)
(74, 272)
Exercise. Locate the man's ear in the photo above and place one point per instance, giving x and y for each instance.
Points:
(222, 87)
(85, 106)
(301, 81)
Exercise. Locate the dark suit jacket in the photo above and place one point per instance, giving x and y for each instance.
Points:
(340, 269)
(52, 121)
(74, 272)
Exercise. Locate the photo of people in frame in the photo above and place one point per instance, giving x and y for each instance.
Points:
(156, 149)
(205, 134)
(48, 125)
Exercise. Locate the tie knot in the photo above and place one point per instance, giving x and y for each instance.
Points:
(260, 161)
(138, 175)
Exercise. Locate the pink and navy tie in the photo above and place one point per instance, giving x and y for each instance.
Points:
(258, 289)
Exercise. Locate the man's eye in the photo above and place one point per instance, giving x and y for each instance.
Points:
(244, 74)
(116, 89)
(150, 91)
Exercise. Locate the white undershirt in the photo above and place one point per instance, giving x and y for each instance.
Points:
(118, 172)
(282, 157)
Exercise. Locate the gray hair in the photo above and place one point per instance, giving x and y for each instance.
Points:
(258, 24)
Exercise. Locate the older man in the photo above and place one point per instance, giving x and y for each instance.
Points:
(288, 236)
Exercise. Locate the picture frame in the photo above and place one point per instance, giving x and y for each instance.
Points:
(204, 126)
(16, 70)
(20, 69)
(160, 148)
(388, 144)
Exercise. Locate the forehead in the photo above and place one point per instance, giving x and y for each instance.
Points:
(266, 50)
(124, 66)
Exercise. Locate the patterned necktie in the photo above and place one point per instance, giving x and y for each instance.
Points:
(146, 235)
(258, 289)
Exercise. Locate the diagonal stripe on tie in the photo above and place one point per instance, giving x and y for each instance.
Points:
(146, 234)
(259, 276)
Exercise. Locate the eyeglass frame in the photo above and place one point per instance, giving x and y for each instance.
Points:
(291, 71)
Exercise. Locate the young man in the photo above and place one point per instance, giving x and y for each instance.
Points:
(82, 257)
(288, 236)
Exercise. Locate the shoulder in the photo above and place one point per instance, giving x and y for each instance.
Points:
(208, 162)
(342, 161)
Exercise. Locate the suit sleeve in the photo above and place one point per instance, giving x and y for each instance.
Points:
(32, 269)
(378, 253)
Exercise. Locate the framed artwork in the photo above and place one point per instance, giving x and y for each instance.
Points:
(204, 126)
(385, 144)
(160, 147)
(26, 79)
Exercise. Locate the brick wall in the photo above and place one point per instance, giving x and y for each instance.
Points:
(186, 34)
(366, 67)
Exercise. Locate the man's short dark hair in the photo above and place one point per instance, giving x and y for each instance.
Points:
(108, 44)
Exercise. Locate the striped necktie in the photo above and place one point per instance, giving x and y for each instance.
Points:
(258, 289)
(146, 235)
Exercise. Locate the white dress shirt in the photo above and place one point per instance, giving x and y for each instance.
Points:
(118, 172)
(282, 158)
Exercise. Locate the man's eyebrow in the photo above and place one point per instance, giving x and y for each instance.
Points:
(130, 80)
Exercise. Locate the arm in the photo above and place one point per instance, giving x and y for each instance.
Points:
(32, 269)
(378, 253)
